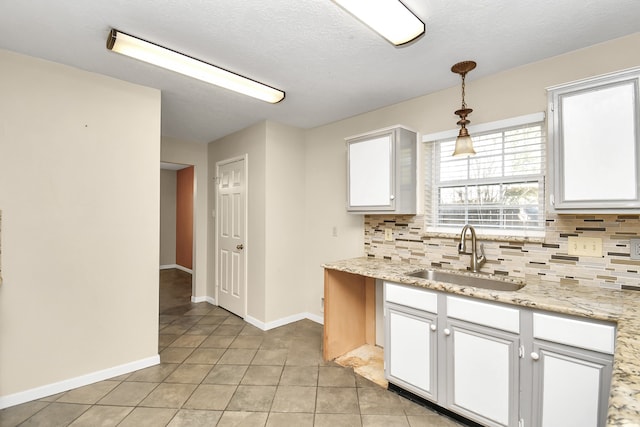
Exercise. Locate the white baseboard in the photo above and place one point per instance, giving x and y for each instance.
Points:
(68, 384)
(176, 266)
(71, 383)
(283, 321)
(208, 299)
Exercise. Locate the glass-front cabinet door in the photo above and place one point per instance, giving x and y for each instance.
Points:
(595, 148)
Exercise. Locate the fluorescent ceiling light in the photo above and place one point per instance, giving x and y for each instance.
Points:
(389, 18)
(174, 61)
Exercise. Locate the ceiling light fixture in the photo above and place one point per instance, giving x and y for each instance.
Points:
(180, 63)
(389, 18)
(464, 144)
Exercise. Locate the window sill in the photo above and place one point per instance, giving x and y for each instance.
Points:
(531, 237)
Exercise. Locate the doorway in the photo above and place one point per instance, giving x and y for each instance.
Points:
(177, 183)
(231, 239)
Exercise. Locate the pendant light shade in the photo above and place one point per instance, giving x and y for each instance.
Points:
(183, 64)
(464, 144)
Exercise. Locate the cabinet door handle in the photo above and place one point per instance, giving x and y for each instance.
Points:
(447, 331)
(433, 327)
(535, 356)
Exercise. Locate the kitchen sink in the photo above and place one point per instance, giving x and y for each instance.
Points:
(492, 283)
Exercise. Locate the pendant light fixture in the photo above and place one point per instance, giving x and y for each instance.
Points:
(183, 64)
(464, 144)
(389, 18)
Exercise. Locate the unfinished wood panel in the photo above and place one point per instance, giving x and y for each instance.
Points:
(370, 310)
(184, 217)
(349, 312)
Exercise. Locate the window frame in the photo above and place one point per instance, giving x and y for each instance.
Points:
(430, 146)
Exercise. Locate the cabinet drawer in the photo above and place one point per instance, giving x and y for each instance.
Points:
(576, 333)
(410, 296)
(481, 313)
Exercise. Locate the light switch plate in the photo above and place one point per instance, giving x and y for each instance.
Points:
(585, 246)
(388, 235)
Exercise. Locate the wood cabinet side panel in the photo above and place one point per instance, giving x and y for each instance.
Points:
(344, 313)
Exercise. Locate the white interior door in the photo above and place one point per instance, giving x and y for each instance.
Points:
(231, 236)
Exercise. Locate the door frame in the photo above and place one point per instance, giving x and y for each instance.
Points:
(247, 247)
(176, 166)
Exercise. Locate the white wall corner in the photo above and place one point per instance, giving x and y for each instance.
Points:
(208, 299)
(176, 266)
(283, 321)
(315, 318)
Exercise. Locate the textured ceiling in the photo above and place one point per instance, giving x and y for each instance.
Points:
(329, 64)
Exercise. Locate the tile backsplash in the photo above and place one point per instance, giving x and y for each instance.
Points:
(548, 259)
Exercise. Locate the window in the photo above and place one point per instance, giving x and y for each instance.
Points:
(500, 190)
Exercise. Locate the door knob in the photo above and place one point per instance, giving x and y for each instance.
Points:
(240, 247)
(447, 331)
(433, 327)
(535, 356)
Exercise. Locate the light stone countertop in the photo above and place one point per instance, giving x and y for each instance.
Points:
(619, 306)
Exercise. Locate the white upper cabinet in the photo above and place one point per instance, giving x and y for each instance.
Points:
(595, 144)
(382, 172)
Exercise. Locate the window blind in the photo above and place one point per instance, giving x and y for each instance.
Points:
(500, 188)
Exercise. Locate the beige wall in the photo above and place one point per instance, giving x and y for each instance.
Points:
(79, 192)
(512, 93)
(195, 154)
(275, 190)
(284, 219)
(326, 209)
(252, 143)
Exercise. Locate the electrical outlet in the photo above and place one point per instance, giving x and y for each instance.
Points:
(585, 246)
(388, 235)
(634, 249)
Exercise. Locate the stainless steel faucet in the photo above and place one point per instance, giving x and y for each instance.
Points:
(476, 261)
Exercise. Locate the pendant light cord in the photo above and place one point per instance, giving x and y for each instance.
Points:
(464, 104)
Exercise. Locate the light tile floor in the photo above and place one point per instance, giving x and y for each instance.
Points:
(217, 370)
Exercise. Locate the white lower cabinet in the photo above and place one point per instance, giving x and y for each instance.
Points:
(571, 381)
(482, 360)
(410, 339)
(410, 360)
(482, 375)
(497, 364)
